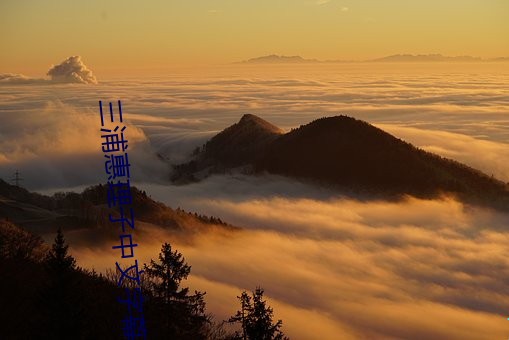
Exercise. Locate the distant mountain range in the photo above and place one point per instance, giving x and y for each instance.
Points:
(426, 58)
(280, 59)
(277, 59)
(344, 153)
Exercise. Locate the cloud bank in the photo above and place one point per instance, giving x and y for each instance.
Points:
(418, 269)
(343, 269)
(60, 146)
(487, 156)
(15, 78)
(447, 111)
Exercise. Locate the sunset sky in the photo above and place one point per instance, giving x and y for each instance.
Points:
(136, 35)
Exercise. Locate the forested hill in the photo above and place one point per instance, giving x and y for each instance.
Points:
(348, 154)
(43, 214)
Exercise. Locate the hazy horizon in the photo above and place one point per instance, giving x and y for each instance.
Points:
(132, 36)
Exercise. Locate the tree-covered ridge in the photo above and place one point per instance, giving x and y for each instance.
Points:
(89, 209)
(45, 294)
(346, 154)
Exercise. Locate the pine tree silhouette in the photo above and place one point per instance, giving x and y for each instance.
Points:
(255, 318)
(185, 313)
(60, 300)
(58, 260)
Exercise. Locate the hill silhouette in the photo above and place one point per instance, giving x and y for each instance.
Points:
(279, 59)
(348, 154)
(426, 58)
(47, 295)
(395, 58)
(235, 146)
(40, 302)
(89, 210)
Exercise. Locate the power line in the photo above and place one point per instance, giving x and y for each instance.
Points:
(17, 178)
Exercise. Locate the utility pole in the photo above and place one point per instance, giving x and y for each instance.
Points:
(17, 178)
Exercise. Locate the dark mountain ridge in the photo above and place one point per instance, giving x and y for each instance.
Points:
(397, 58)
(89, 210)
(345, 153)
(278, 59)
(234, 147)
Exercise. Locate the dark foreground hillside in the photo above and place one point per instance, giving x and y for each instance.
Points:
(45, 294)
(49, 297)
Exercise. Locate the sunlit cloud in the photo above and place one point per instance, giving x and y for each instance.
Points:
(344, 263)
(488, 156)
(341, 268)
(71, 70)
(61, 144)
(179, 113)
(17, 78)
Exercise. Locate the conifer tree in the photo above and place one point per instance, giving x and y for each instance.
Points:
(58, 259)
(255, 318)
(185, 313)
(61, 301)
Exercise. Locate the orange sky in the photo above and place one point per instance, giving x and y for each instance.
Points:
(135, 35)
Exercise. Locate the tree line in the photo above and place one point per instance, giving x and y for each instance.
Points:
(46, 295)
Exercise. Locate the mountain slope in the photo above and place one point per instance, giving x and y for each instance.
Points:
(354, 156)
(237, 145)
(89, 210)
(352, 153)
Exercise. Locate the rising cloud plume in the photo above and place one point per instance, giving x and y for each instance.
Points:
(72, 70)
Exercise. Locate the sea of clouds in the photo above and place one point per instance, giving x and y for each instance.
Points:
(337, 268)
(333, 267)
(456, 112)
